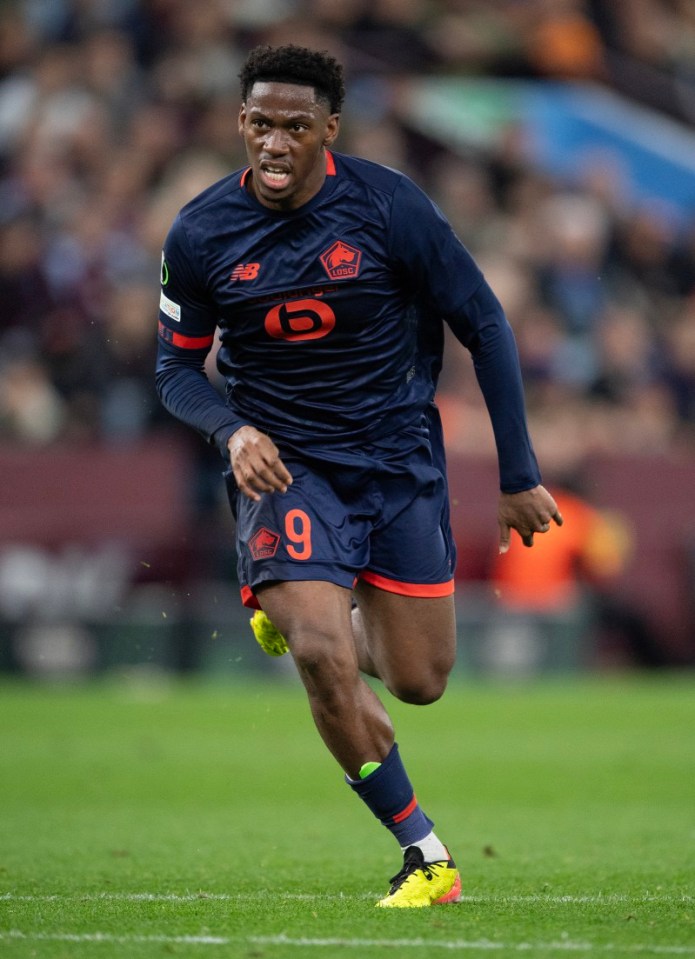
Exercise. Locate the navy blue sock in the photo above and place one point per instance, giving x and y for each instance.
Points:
(391, 798)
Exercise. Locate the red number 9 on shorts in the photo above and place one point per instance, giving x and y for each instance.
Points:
(298, 532)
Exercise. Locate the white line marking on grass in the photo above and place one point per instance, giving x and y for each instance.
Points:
(15, 934)
(543, 898)
(461, 944)
(455, 945)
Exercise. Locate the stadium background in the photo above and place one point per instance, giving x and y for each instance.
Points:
(558, 138)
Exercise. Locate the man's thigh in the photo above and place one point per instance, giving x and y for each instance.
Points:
(412, 551)
(407, 635)
(307, 610)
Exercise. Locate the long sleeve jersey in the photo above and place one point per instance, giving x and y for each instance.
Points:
(330, 317)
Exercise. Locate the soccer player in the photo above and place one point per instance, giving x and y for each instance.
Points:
(330, 278)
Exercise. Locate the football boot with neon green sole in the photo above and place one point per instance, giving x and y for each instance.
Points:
(421, 883)
(268, 637)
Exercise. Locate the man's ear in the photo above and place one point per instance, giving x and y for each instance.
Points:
(242, 118)
(332, 129)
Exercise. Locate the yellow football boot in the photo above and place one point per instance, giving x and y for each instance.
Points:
(268, 637)
(421, 883)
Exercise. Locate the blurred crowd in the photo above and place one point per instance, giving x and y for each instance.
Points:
(113, 113)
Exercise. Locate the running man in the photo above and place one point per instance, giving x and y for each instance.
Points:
(330, 279)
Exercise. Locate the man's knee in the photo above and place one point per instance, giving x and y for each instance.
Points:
(324, 660)
(418, 689)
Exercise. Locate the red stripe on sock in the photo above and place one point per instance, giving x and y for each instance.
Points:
(404, 813)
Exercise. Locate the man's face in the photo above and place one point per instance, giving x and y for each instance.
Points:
(285, 129)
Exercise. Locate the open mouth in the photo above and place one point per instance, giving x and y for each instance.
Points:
(275, 177)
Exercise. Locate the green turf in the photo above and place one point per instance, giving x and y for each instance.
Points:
(157, 819)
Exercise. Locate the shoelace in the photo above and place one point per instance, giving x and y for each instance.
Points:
(414, 860)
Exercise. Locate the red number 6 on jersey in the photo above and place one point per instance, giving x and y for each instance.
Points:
(300, 320)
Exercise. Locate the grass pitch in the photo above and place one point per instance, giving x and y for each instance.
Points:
(207, 820)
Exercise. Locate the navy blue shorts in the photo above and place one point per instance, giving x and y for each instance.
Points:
(379, 513)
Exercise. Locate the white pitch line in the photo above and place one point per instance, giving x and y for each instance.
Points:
(17, 935)
(481, 944)
(454, 945)
(542, 898)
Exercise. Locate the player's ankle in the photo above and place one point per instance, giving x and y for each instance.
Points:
(433, 849)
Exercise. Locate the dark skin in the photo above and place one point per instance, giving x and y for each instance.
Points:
(286, 131)
(407, 642)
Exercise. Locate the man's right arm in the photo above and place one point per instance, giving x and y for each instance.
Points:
(187, 324)
(186, 392)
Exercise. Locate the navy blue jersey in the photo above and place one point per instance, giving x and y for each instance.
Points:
(330, 316)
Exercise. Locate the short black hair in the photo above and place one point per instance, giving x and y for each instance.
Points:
(293, 64)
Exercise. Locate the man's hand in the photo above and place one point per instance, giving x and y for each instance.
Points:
(256, 463)
(527, 512)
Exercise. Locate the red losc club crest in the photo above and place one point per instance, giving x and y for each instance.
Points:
(264, 543)
(341, 261)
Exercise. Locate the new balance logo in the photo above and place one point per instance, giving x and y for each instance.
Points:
(341, 260)
(245, 271)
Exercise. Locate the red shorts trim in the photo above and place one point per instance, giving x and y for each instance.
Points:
(248, 598)
(425, 590)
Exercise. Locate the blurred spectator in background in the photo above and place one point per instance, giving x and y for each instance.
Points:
(562, 41)
(554, 597)
(31, 410)
(560, 604)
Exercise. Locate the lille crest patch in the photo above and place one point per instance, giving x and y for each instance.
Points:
(341, 261)
(264, 543)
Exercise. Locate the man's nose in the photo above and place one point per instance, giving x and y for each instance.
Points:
(275, 141)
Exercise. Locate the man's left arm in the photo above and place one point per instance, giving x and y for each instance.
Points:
(423, 241)
(524, 505)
